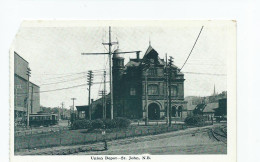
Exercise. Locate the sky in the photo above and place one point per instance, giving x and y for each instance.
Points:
(53, 50)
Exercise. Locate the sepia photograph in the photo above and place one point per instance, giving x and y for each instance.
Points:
(123, 88)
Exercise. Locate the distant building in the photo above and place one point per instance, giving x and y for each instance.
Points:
(209, 106)
(21, 90)
(222, 108)
(193, 101)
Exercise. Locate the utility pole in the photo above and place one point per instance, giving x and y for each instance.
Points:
(27, 100)
(103, 94)
(110, 44)
(110, 75)
(90, 82)
(72, 108)
(146, 97)
(62, 114)
(146, 69)
(169, 85)
(32, 100)
(167, 92)
(58, 113)
(105, 104)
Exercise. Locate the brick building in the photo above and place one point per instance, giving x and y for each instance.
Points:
(21, 89)
(129, 87)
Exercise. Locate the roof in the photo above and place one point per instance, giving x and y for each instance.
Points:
(152, 53)
(117, 54)
(191, 107)
(132, 63)
(210, 107)
(149, 49)
(82, 108)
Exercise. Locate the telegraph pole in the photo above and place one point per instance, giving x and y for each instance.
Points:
(167, 92)
(32, 100)
(72, 109)
(169, 85)
(110, 44)
(27, 100)
(146, 69)
(146, 98)
(90, 82)
(58, 113)
(105, 104)
(103, 95)
(110, 77)
(62, 104)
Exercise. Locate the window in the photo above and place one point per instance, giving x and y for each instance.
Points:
(173, 91)
(132, 91)
(152, 72)
(153, 89)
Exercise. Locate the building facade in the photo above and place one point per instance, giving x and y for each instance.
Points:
(129, 82)
(21, 94)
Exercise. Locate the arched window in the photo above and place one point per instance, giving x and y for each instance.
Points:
(153, 89)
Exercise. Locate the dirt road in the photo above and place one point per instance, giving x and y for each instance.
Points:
(195, 141)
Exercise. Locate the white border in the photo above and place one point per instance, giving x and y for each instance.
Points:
(231, 88)
(12, 12)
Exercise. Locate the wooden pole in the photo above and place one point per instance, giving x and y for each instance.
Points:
(167, 93)
(169, 85)
(32, 100)
(110, 71)
(146, 98)
(105, 104)
(27, 100)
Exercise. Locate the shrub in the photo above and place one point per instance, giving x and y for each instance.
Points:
(110, 123)
(81, 124)
(196, 120)
(87, 124)
(122, 122)
(96, 124)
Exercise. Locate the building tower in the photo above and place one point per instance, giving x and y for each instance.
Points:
(117, 71)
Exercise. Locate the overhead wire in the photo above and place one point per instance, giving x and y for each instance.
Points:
(192, 48)
(205, 73)
(76, 86)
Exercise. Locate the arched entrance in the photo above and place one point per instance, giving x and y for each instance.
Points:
(153, 111)
(174, 111)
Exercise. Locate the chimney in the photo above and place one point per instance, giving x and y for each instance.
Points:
(138, 55)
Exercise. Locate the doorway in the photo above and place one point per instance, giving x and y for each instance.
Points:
(154, 111)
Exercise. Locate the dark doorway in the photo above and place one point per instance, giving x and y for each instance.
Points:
(153, 111)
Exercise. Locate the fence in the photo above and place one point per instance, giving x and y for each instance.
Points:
(38, 131)
(74, 137)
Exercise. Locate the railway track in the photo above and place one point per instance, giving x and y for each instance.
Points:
(219, 136)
